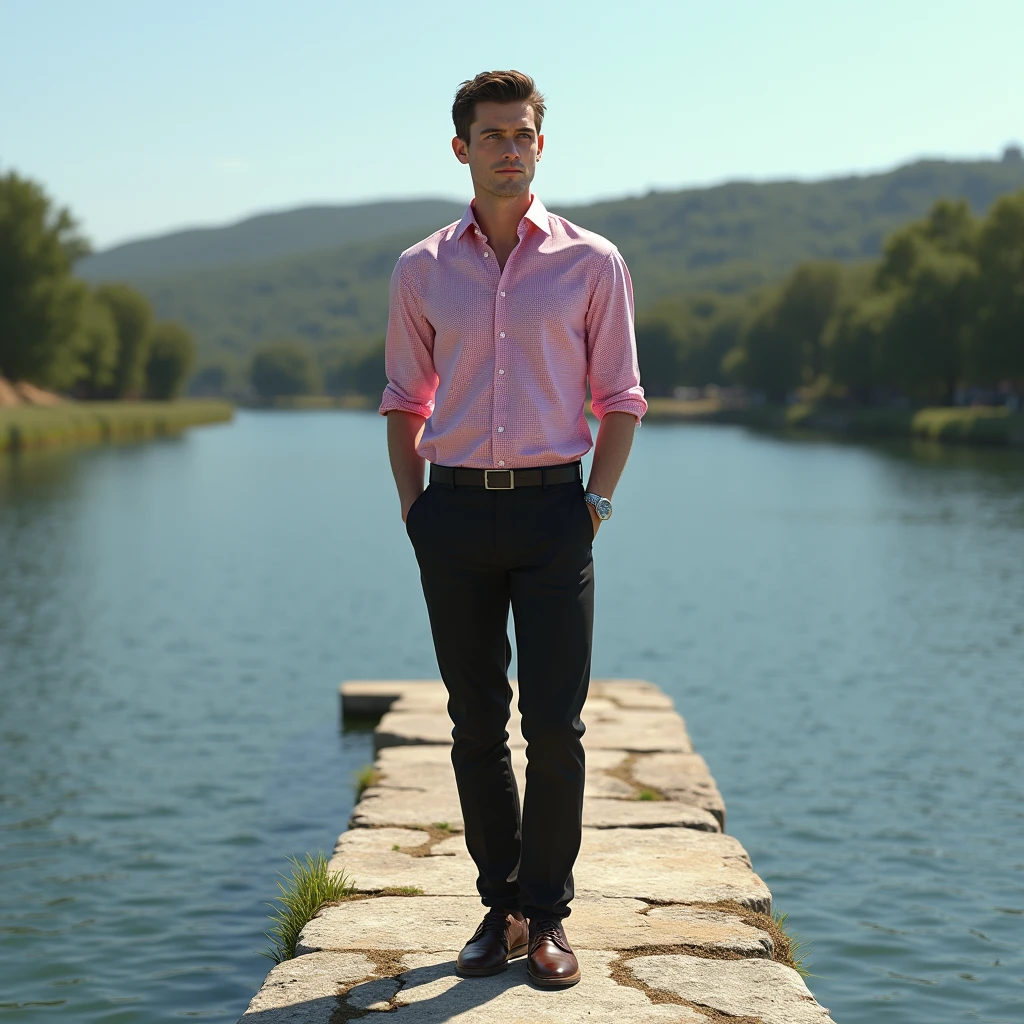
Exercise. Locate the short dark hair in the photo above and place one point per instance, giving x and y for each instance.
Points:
(495, 87)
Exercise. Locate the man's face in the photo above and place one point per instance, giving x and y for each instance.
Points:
(503, 148)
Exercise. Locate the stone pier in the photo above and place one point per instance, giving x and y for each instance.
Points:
(670, 921)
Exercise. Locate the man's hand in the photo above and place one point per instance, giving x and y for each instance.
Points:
(594, 517)
(406, 505)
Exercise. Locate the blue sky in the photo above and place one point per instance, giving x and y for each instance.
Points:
(145, 116)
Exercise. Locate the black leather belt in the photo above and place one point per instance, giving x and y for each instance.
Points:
(506, 479)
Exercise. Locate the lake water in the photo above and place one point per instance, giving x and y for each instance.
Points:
(842, 627)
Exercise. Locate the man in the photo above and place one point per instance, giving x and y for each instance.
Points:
(496, 325)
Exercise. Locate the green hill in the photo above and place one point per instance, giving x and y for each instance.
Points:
(728, 238)
(267, 237)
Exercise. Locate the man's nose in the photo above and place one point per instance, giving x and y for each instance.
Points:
(509, 150)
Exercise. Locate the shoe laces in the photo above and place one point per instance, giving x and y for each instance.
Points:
(495, 921)
(550, 929)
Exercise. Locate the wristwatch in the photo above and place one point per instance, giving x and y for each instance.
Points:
(603, 506)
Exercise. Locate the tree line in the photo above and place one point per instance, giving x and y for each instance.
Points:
(941, 311)
(57, 332)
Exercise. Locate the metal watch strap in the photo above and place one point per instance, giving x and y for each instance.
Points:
(597, 501)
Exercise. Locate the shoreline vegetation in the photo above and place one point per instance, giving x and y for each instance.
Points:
(29, 427)
(991, 426)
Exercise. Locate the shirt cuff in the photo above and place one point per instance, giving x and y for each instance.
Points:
(393, 401)
(636, 404)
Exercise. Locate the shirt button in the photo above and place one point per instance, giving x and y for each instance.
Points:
(503, 295)
(501, 430)
(486, 254)
(501, 462)
(501, 373)
(502, 335)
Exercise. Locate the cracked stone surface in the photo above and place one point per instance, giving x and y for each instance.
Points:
(369, 697)
(439, 779)
(624, 729)
(368, 858)
(432, 993)
(304, 990)
(753, 988)
(680, 776)
(381, 806)
(444, 923)
(677, 865)
(647, 876)
(428, 769)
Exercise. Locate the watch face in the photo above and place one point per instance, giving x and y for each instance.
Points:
(604, 508)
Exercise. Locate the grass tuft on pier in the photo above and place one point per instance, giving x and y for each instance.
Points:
(308, 889)
(366, 777)
(790, 949)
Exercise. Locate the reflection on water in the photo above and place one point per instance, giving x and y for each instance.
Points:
(842, 626)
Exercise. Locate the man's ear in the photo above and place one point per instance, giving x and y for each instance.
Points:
(461, 150)
(540, 146)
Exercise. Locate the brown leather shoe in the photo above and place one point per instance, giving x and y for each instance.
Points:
(552, 963)
(500, 937)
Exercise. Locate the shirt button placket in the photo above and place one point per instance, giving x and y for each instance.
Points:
(500, 410)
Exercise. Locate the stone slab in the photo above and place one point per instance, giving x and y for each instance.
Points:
(408, 808)
(625, 729)
(680, 776)
(370, 697)
(675, 865)
(678, 865)
(754, 988)
(632, 693)
(439, 780)
(376, 696)
(444, 923)
(428, 769)
(369, 859)
(304, 990)
(637, 731)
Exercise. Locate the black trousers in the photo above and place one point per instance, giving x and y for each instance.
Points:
(479, 553)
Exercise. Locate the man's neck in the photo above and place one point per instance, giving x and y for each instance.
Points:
(499, 217)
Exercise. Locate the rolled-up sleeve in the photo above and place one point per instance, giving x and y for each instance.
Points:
(408, 351)
(611, 343)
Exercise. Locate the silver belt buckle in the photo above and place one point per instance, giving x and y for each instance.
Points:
(511, 480)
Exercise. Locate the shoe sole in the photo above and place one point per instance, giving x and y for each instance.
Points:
(571, 979)
(513, 954)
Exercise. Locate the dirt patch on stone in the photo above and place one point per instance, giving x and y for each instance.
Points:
(387, 963)
(623, 771)
(435, 834)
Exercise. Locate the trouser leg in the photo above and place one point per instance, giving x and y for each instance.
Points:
(467, 597)
(552, 595)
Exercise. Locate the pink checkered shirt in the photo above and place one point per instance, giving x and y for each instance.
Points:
(498, 361)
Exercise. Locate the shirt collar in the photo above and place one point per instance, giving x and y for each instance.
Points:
(537, 215)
